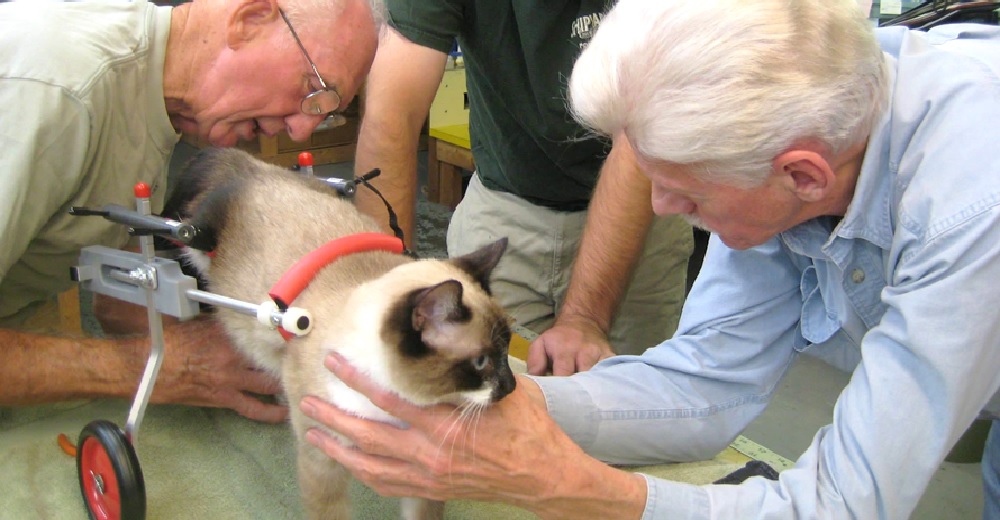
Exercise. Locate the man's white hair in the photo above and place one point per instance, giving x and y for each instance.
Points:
(309, 15)
(726, 85)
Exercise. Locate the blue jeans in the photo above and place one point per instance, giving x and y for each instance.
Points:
(991, 474)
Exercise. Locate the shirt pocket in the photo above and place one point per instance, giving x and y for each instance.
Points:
(818, 322)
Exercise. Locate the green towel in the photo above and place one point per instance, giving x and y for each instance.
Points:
(202, 463)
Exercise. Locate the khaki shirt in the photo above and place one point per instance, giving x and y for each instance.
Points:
(84, 120)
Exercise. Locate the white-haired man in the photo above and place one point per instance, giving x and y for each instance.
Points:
(94, 97)
(851, 185)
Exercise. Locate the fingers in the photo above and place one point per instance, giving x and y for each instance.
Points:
(589, 357)
(379, 473)
(257, 410)
(365, 434)
(388, 401)
(259, 382)
(568, 361)
(538, 359)
(251, 382)
(565, 350)
(564, 363)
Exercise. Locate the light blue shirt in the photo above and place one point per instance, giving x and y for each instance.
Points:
(905, 290)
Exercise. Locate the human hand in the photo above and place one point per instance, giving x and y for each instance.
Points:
(122, 318)
(568, 347)
(510, 452)
(201, 368)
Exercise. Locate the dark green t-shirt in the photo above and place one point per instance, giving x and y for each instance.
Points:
(518, 58)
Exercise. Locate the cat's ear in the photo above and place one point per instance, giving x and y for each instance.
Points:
(437, 305)
(480, 263)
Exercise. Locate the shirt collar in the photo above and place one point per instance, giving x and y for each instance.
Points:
(869, 215)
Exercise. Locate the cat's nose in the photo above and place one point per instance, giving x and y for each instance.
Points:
(505, 385)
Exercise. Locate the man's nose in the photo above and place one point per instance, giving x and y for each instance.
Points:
(300, 126)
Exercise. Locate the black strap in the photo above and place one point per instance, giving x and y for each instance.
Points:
(393, 220)
(754, 468)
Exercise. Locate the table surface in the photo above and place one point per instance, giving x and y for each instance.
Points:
(209, 463)
(457, 135)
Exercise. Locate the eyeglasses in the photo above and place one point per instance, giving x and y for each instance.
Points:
(325, 100)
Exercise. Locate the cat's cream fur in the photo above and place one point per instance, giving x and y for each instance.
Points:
(427, 329)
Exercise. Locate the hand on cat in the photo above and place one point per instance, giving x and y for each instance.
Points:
(514, 452)
(201, 368)
(566, 348)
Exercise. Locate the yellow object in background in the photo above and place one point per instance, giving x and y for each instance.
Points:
(520, 338)
(519, 346)
(457, 135)
(451, 103)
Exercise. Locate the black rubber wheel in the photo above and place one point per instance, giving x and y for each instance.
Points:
(110, 478)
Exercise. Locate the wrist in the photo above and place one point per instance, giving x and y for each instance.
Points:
(596, 490)
(593, 323)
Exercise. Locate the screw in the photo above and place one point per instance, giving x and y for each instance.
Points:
(98, 482)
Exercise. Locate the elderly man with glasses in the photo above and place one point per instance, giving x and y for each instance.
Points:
(94, 97)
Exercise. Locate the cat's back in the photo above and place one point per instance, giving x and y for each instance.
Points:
(277, 208)
(262, 218)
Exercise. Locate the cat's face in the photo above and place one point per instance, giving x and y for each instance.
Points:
(448, 342)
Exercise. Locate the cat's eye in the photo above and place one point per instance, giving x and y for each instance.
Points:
(480, 362)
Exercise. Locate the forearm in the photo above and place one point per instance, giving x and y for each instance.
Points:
(199, 368)
(617, 223)
(401, 86)
(37, 369)
(705, 384)
(390, 146)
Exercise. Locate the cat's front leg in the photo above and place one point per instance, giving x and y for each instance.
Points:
(420, 509)
(324, 485)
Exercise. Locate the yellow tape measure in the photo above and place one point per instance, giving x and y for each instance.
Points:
(519, 341)
(757, 452)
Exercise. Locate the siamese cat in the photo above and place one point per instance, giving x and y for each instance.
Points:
(427, 330)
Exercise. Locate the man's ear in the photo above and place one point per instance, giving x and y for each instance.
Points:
(806, 173)
(248, 20)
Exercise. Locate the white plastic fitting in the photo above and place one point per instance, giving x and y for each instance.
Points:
(264, 312)
(297, 320)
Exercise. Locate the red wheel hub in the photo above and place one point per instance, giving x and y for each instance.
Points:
(100, 486)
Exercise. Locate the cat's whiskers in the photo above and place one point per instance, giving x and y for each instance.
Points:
(477, 416)
(472, 414)
(456, 417)
(468, 415)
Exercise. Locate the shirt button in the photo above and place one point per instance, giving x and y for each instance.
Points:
(857, 276)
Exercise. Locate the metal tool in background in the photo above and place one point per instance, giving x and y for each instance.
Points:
(345, 187)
